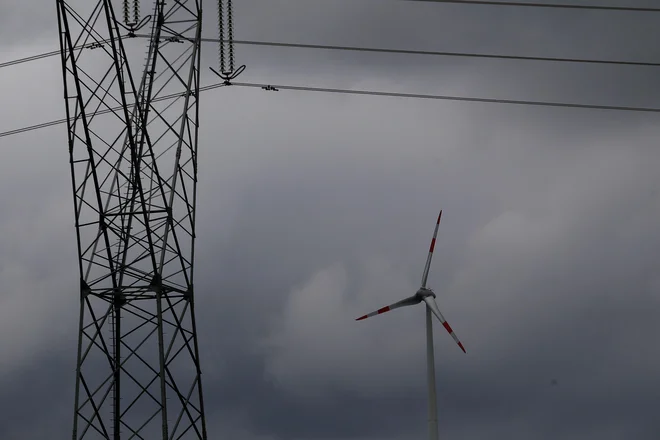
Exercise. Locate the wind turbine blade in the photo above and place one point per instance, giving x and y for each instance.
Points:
(410, 301)
(433, 306)
(425, 275)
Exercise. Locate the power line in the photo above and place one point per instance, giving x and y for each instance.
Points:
(53, 53)
(462, 2)
(437, 53)
(30, 58)
(367, 93)
(379, 50)
(371, 93)
(452, 98)
(100, 112)
(543, 5)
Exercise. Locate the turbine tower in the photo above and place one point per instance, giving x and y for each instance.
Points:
(426, 295)
(132, 138)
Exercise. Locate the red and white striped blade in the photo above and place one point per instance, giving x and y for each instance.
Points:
(427, 267)
(430, 302)
(410, 301)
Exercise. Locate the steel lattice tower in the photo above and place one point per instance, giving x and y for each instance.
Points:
(133, 154)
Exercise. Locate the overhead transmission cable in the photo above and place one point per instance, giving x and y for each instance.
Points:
(94, 45)
(382, 50)
(101, 112)
(226, 44)
(439, 53)
(30, 58)
(543, 5)
(272, 87)
(275, 87)
(228, 71)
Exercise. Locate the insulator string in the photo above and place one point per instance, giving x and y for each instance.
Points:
(226, 55)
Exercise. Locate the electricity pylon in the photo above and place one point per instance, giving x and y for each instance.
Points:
(132, 137)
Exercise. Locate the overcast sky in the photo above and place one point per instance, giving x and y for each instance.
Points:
(317, 208)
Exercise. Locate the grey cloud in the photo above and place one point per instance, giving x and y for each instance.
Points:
(460, 28)
(308, 200)
(21, 21)
(595, 199)
(38, 254)
(37, 401)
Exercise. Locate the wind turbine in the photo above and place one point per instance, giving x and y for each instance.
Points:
(426, 295)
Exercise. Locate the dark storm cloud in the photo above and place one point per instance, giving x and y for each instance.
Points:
(542, 320)
(315, 209)
(38, 251)
(382, 23)
(37, 399)
(588, 34)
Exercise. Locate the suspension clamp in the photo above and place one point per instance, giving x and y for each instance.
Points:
(229, 76)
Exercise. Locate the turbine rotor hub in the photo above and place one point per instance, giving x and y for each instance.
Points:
(424, 293)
